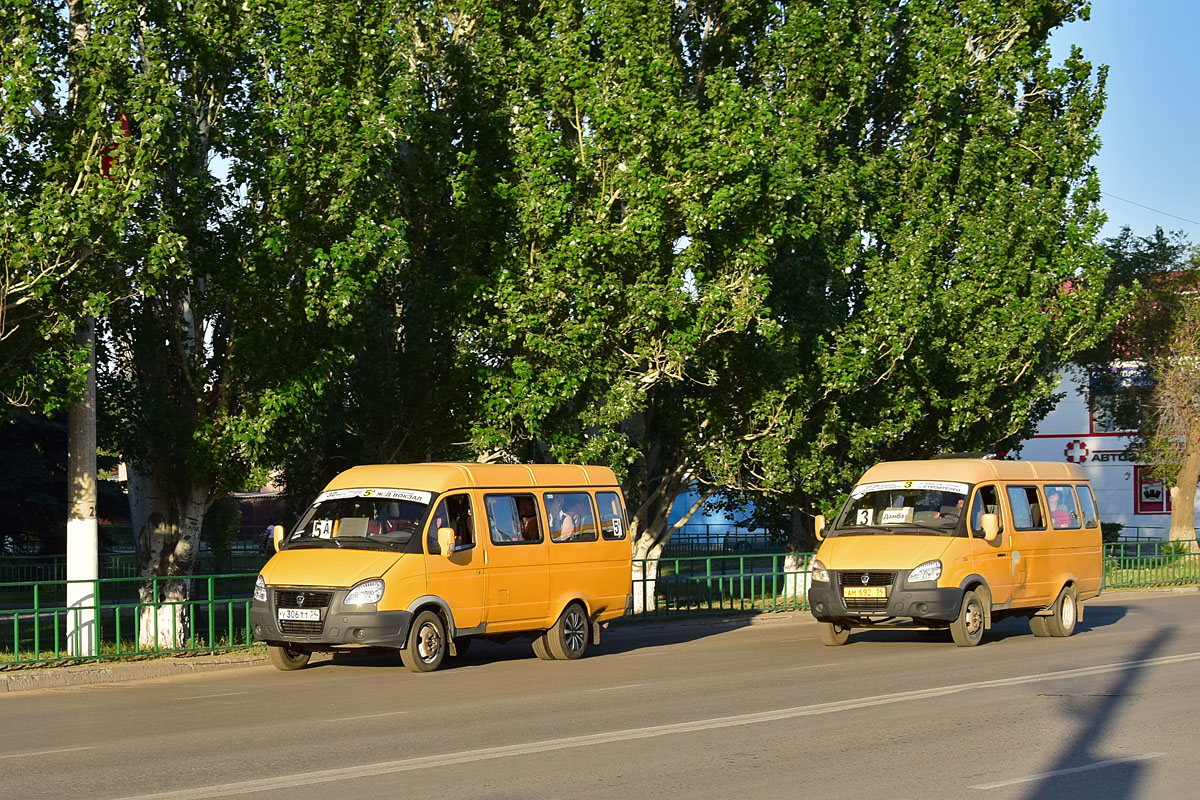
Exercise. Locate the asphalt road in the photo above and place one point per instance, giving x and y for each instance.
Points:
(696, 710)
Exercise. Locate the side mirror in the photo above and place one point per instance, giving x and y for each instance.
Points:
(819, 527)
(277, 535)
(991, 527)
(445, 539)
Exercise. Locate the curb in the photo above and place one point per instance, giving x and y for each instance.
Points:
(116, 672)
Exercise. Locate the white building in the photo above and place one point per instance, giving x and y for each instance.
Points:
(1124, 489)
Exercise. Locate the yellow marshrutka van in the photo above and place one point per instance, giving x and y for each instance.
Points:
(420, 558)
(959, 544)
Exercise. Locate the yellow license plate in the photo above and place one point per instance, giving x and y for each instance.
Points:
(864, 591)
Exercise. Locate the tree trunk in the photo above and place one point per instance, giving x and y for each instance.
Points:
(796, 579)
(82, 526)
(1183, 495)
(166, 523)
(645, 574)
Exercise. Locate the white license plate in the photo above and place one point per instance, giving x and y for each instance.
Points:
(309, 614)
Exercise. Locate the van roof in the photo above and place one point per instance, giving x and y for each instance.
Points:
(974, 470)
(442, 477)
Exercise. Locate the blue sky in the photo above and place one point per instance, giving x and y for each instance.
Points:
(1150, 154)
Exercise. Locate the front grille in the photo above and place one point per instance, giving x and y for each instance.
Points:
(290, 598)
(300, 598)
(885, 579)
(873, 578)
(294, 627)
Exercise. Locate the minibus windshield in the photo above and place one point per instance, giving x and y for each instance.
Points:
(911, 507)
(372, 518)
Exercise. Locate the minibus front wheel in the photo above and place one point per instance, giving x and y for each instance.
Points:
(426, 646)
(832, 634)
(967, 628)
(287, 660)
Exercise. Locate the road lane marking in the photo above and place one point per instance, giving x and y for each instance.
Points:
(812, 666)
(615, 688)
(715, 723)
(1070, 770)
(370, 716)
(210, 696)
(46, 752)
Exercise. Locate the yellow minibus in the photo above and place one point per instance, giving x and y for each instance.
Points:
(423, 558)
(959, 543)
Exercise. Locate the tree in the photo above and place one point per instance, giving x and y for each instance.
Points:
(406, 396)
(276, 130)
(69, 183)
(763, 246)
(1171, 440)
(1143, 376)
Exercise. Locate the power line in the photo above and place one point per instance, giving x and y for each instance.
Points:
(1148, 208)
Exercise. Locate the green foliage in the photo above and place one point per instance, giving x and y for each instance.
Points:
(1111, 531)
(763, 246)
(741, 244)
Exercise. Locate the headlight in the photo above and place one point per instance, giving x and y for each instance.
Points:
(365, 593)
(818, 572)
(260, 590)
(929, 571)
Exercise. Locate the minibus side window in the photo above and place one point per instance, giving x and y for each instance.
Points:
(512, 519)
(987, 501)
(1026, 505)
(612, 516)
(571, 518)
(453, 512)
(1090, 518)
(1064, 512)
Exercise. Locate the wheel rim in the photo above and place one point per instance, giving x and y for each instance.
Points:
(429, 642)
(1066, 613)
(974, 618)
(574, 631)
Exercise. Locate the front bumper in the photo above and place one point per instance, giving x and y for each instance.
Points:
(335, 625)
(900, 602)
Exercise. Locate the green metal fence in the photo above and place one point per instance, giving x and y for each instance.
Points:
(668, 587)
(34, 619)
(1151, 571)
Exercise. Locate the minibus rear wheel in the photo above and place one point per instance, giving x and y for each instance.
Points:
(426, 646)
(568, 639)
(1066, 612)
(287, 660)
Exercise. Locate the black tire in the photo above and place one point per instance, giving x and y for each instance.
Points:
(426, 646)
(568, 639)
(832, 634)
(967, 629)
(1066, 613)
(285, 659)
(541, 649)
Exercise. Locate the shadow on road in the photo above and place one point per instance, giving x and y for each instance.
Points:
(621, 639)
(1093, 716)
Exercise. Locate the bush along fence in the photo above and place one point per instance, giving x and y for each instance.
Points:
(131, 619)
